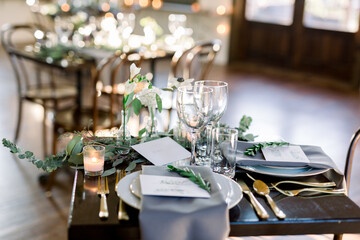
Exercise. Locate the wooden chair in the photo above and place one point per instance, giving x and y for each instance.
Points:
(348, 166)
(195, 62)
(31, 85)
(104, 114)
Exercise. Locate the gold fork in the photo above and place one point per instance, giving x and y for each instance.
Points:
(296, 192)
(103, 189)
(122, 214)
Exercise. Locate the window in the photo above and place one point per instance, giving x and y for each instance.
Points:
(332, 14)
(275, 11)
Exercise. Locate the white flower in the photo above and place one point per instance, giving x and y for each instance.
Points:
(147, 96)
(134, 70)
(129, 87)
(179, 82)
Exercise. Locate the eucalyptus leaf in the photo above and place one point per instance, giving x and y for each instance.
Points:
(76, 138)
(142, 131)
(77, 167)
(132, 166)
(117, 162)
(109, 172)
(77, 148)
(76, 158)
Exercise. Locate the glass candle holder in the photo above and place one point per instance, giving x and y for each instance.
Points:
(94, 157)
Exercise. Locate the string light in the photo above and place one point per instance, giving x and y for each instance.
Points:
(222, 28)
(128, 2)
(143, 3)
(156, 4)
(109, 15)
(105, 7)
(195, 7)
(221, 10)
(65, 7)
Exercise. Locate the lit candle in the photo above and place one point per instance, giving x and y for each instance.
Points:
(94, 160)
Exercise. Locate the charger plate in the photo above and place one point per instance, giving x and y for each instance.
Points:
(289, 172)
(229, 188)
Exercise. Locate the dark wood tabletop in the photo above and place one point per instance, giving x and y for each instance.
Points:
(305, 215)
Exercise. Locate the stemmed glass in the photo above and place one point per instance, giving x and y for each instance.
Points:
(220, 96)
(194, 108)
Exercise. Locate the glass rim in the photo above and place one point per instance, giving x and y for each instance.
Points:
(93, 146)
(223, 84)
(185, 89)
(229, 129)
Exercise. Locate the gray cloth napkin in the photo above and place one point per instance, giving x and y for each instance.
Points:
(316, 156)
(176, 218)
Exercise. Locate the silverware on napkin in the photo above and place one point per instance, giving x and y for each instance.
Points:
(260, 210)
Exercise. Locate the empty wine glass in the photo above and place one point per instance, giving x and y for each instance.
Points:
(220, 96)
(194, 109)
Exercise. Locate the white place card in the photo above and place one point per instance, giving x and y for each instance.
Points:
(162, 151)
(285, 154)
(170, 186)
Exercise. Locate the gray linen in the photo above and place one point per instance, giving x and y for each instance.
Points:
(316, 156)
(176, 218)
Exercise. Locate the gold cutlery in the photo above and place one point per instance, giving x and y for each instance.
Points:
(262, 189)
(260, 210)
(296, 192)
(309, 184)
(103, 189)
(122, 214)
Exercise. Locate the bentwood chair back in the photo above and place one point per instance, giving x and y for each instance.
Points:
(195, 62)
(348, 166)
(35, 82)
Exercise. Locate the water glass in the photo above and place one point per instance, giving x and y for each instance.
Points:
(223, 151)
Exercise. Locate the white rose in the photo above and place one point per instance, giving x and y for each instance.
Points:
(147, 96)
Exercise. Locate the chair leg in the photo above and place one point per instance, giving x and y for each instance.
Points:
(44, 134)
(338, 236)
(18, 120)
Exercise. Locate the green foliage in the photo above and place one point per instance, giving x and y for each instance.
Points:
(159, 102)
(136, 104)
(189, 173)
(244, 125)
(251, 151)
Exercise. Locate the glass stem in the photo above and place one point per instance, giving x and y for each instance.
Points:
(193, 136)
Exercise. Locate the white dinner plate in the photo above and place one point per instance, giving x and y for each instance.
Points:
(228, 187)
(289, 172)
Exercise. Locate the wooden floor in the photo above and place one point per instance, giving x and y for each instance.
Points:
(301, 108)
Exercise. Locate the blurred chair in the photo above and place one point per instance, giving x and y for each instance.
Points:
(196, 63)
(348, 166)
(31, 84)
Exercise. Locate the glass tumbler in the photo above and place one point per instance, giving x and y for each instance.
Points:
(223, 151)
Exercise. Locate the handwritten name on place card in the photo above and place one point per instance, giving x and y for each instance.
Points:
(285, 154)
(170, 186)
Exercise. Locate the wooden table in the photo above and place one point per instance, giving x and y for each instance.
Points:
(321, 215)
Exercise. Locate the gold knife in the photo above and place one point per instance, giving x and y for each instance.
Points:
(260, 210)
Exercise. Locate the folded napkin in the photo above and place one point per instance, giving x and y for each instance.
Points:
(317, 158)
(177, 218)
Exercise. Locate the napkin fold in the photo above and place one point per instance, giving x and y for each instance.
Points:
(180, 218)
(317, 158)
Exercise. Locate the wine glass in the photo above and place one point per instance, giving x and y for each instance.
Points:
(220, 96)
(194, 109)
